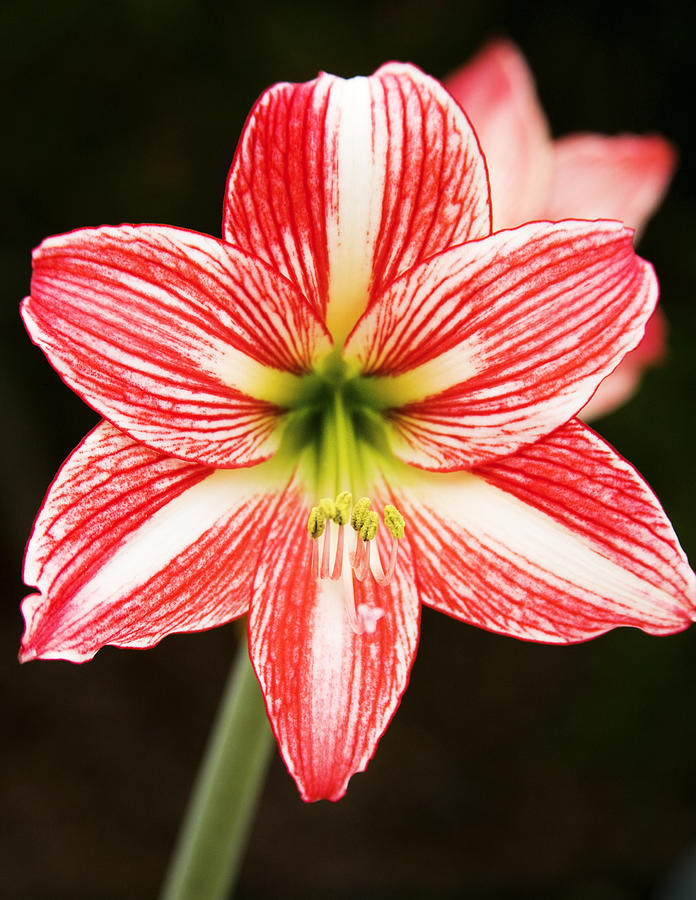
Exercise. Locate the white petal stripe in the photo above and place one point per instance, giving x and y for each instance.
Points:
(343, 185)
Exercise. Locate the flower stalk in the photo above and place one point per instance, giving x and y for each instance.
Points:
(215, 829)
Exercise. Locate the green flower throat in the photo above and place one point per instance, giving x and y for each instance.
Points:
(335, 428)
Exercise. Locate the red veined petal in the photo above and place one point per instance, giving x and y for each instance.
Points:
(622, 177)
(341, 185)
(131, 545)
(181, 340)
(623, 382)
(558, 543)
(330, 692)
(491, 345)
(496, 90)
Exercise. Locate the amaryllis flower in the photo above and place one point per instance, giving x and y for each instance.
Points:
(358, 401)
(587, 176)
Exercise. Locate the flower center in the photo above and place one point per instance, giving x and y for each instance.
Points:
(335, 436)
(336, 430)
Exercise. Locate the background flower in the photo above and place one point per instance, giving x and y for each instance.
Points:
(126, 112)
(587, 176)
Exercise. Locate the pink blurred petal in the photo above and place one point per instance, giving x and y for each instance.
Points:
(598, 177)
(496, 90)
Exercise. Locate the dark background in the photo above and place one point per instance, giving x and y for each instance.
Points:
(511, 770)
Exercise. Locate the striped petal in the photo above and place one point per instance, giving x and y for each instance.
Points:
(496, 90)
(622, 177)
(342, 185)
(489, 346)
(130, 546)
(181, 340)
(330, 692)
(558, 543)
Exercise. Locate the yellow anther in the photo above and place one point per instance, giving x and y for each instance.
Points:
(316, 523)
(394, 521)
(328, 507)
(343, 503)
(360, 510)
(369, 526)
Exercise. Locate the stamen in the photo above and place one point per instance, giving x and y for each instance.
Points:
(341, 515)
(343, 503)
(363, 561)
(328, 507)
(360, 510)
(369, 526)
(365, 521)
(314, 564)
(396, 525)
(326, 552)
(366, 568)
(316, 522)
(394, 521)
(381, 575)
(338, 564)
(362, 521)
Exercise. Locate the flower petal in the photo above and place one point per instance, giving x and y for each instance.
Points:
(558, 543)
(181, 340)
(489, 346)
(130, 546)
(330, 692)
(622, 177)
(341, 185)
(496, 90)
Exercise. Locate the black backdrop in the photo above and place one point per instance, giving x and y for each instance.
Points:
(511, 770)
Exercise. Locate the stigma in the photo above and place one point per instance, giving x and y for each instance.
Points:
(360, 561)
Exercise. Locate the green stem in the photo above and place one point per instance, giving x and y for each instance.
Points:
(214, 832)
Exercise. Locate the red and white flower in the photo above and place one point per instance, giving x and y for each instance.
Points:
(357, 330)
(586, 176)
